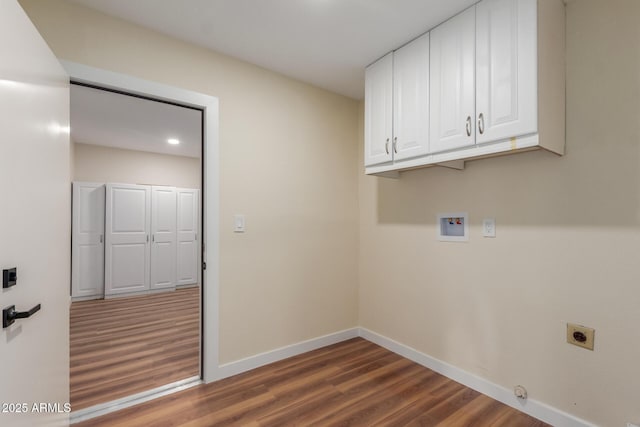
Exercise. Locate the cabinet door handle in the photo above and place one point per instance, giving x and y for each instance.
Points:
(101, 238)
(395, 144)
(468, 125)
(386, 146)
(481, 123)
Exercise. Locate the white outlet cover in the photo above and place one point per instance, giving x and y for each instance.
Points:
(489, 227)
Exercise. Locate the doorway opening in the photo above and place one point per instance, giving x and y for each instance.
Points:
(137, 244)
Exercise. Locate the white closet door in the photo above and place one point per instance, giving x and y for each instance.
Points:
(87, 277)
(187, 262)
(163, 240)
(127, 238)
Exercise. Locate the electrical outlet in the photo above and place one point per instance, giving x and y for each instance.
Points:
(489, 227)
(581, 336)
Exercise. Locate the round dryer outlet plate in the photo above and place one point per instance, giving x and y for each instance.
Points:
(520, 392)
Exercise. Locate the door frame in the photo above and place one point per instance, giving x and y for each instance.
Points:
(210, 194)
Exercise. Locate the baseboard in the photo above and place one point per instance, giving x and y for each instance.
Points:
(532, 407)
(243, 365)
(190, 285)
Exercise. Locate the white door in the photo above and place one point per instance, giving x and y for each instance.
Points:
(411, 99)
(127, 246)
(452, 64)
(506, 69)
(187, 262)
(378, 104)
(34, 224)
(87, 240)
(163, 238)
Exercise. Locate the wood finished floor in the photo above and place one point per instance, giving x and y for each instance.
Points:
(122, 346)
(353, 383)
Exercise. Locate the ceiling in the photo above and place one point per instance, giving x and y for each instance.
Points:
(99, 117)
(326, 43)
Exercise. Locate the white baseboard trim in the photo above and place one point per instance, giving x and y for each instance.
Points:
(539, 410)
(532, 407)
(243, 365)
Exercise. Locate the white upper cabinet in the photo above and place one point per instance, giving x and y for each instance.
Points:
(453, 83)
(397, 104)
(495, 85)
(506, 77)
(411, 99)
(378, 107)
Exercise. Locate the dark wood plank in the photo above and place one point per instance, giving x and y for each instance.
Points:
(353, 383)
(122, 346)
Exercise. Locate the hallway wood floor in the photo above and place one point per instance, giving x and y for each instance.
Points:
(353, 383)
(122, 346)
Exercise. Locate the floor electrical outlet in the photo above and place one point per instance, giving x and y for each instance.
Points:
(581, 336)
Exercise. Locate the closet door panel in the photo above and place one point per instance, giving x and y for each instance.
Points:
(127, 257)
(187, 253)
(88, 240)
(163, 245)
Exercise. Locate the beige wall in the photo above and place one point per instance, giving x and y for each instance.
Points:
(567, 245)
(568, 228)
(288, 155)
(105, 164)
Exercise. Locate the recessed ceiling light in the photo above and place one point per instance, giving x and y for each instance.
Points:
(173, 141)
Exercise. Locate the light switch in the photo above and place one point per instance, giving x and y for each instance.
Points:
(238, 223)
(489, 227)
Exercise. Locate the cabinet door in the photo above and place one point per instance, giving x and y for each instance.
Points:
(411, 99)
(127, 238)
(452, 85)
(187, 263)
(506, 76)
(163, 238)
(378, 111)
(87, 236)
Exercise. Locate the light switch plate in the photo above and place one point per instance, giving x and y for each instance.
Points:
(238, 223)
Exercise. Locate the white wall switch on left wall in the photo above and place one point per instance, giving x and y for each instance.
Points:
(238, 223)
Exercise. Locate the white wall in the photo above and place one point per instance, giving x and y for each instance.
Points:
(567, 247)
(106, 164)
